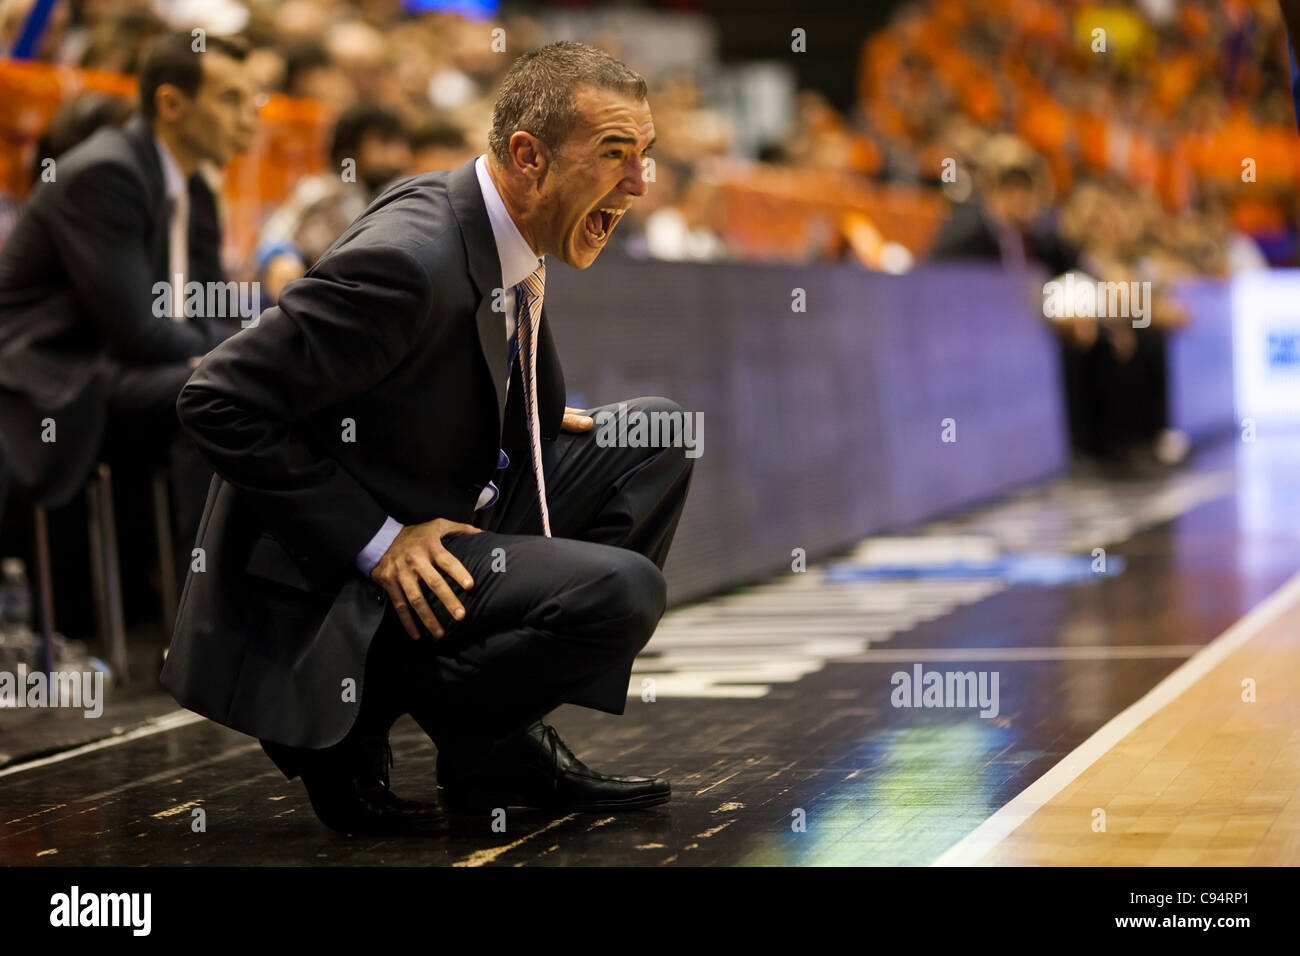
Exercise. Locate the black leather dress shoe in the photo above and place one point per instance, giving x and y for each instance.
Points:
(352, 796)
(536, 769)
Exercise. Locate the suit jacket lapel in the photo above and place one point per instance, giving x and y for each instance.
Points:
(140, 136)
(485, 269)
(142, 142)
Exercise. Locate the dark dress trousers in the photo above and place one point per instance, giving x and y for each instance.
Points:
(377, 387)
(78, 334)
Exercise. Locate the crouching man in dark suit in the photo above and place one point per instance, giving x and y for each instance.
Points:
(406, 518)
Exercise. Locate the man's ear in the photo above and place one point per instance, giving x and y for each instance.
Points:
(529, 155)
(169, 102)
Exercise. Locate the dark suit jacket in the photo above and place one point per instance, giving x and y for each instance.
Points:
(375, 387)
(76, 298)
(968, 234)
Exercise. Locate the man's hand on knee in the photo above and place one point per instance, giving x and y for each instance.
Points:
(417, 554)
(575, 420)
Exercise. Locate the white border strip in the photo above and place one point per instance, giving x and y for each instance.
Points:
(157, 725)
(976, 844)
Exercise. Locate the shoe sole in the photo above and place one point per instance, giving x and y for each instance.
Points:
(485, 802)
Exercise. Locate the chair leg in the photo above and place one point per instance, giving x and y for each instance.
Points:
(105, 570)
(44, 584)
(98, 586)
(162, 521)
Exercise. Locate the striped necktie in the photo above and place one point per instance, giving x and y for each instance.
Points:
(530, 318)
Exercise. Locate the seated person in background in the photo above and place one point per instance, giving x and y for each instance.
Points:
(369, 150)
(87, 342)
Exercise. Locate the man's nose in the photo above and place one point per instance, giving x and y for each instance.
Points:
(634, 182)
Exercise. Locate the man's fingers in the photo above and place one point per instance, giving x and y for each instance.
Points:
(417, 603)
(447, 561)
(398, 600)
(423, 560)
(574, 421)
(435, 582)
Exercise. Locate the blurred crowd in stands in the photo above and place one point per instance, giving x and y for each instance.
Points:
(413, 93)
(1132, 153)
(1140, 140)
(1170, 151)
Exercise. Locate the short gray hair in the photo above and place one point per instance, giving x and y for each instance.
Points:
(537, 94)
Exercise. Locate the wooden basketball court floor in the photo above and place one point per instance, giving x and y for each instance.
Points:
(1143, 717)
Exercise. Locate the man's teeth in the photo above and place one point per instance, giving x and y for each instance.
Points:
(614, 216)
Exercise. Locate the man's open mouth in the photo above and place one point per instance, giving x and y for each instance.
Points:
(600, 222)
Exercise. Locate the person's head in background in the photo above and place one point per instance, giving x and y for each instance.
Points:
(310, 73)
(436, 144)
(361, 52)
(267, 68)
(1015, 197)
(571, 130)
(202, 104)
(375, 139)
(1015, 188)
(298, 21)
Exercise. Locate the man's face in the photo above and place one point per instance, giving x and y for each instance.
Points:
(594, 176)
(221, 120)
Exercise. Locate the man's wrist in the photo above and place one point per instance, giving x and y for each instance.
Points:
(378, 545)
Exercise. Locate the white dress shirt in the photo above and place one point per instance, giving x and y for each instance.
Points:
(177, 228)
(518, 262)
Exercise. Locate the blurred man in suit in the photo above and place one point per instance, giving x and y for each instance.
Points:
(1006, 219)
(83, 341)
(400, 417)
